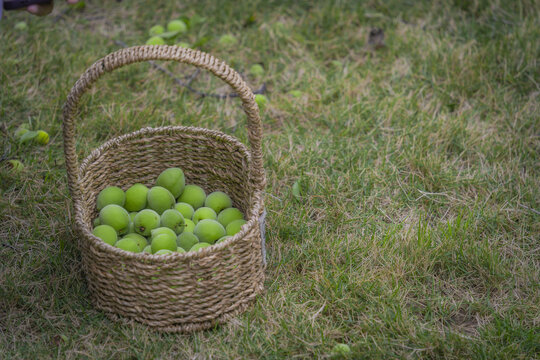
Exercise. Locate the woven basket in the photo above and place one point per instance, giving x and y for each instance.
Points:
(178, 292)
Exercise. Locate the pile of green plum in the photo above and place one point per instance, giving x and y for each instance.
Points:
(169, 217)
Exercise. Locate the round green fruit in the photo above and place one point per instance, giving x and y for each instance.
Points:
(261, 100)
(106, 233)
(227, 40)
(223, 238)
(115, 216)
(218, 201)
(256, 70)
(186, 240)
(21, 25)
(156, 30)
(204, 213)
(185, 209)
(209, 231)
(193, 195)
(173, 180)
(163, 242)
(173, 219)
(42, 138)
(190, 226)
(110, 195)
(136, 198)
(234, 226)
(163, 231)
(228, 215)
(163, 252)
(128, 244)
(177, 26)
(155, 40)
(180, 250)
(199, 246)
(141, 240)
(145, 221)
(341, 350)
(15, 165)
(160, 199)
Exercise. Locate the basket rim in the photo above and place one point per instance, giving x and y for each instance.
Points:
(252, 212)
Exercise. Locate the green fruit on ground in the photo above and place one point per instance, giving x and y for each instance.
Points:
(128, 244)
(136, 198)
(228, 215)
(163, 241)
(177, 25)
(160, 199)
(341, 349)
(261, 100)
(148, 249)
(155, 40)
(234, 226)
(199, 246)
(222, 239)
(180, 250)
(110, 195)
(256, 70)
(173, 180)
(186, 240)
(189, 226)
(218, 201)
(141, 240)
(145, 221)
(162, 231)
(115, 216)
(185, 209)
(204, 213)
(174, 220)
(15, 165)
(295, 93)
(209, 231)
(106, 233)
(163, 252)
(184, 44)
(21, 25)
(227, 40)
(193, 195)
(42, 138)
(156, 30)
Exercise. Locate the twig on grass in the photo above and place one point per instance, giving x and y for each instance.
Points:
(190, 79)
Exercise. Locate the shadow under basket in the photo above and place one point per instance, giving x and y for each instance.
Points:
(180, 292)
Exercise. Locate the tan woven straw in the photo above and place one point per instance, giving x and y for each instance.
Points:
(179, 292)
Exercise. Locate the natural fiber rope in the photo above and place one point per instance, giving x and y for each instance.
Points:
(178, 292)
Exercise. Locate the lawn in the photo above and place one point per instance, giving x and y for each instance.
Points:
(416, 232)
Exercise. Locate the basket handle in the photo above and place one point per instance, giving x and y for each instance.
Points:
(137, 54)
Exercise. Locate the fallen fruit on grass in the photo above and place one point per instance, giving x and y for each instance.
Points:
(15, 165)
(173, 219)
(234, 226)
(160, 199)
(42, 138)
(341, 349)
(256, 70)
(136, 198)
(21, 25)
(128, 244)
(204, 213)
(199, 246)
(115, 216)
(209, 231)
(228, 215)
(189, 226)
(193, 195)
(186, 240)
(155, 40)
(163, 242)
(261, 100)
(156, 30)
(227, 40)
(185, 209)
(218, 201)
(173, 180)
(146, 221)
(106, 233)
(177, 25)
(110, 195)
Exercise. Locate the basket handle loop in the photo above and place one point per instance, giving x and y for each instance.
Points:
(137, 54)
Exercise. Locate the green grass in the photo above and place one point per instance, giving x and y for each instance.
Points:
(418, 233)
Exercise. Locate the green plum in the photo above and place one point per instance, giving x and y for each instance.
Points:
(256, 70)
(173, 219)
(128, 244)
(156, 30)
(199, 246)
(115, 216)
(141, 240)
(234, 226)
(209, 231)
(180, 250)
(163, 231)
(163, 241)
(189, 226)
(186, 240)
(177, 26)
(228, 215)
(163, 252)
(106, 233)
(173, 180)
(145, 221)
(185, 209)
(193, 195)
(204, 213)
(218, 201)
(160, 199)
(110, 195)
(223, 238)
(136, 198)
(155, 40)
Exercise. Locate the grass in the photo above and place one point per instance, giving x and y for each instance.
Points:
(417, 235)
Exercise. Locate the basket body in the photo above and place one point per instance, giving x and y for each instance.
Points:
(179, 292)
